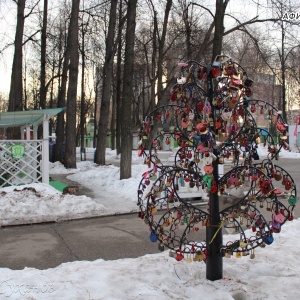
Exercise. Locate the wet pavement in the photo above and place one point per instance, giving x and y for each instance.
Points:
(45, 246)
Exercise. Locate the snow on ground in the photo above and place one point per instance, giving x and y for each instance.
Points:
(273, 274)
(108, 194)
(34, 203)
(39, 202)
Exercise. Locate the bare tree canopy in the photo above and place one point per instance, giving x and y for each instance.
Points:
(112, 88)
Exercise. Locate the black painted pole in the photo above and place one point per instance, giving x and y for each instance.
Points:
(214, 235)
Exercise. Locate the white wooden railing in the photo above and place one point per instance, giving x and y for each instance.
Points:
(16, 170)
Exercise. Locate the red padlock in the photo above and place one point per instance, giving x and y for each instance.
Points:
(200, 106)
(288, 184)
(179, 256)
(173, 97)
(254, 177)
(141, 151)
(253, 108)
(205, 254)
(227, 154)
(208, 169)
(147, 128)
(214, 187)
(187, 179)
(189, 154)
(216, 69)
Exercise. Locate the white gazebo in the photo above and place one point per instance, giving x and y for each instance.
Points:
(27, 160)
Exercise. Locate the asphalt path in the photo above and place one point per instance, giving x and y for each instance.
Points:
(45, 246)
(48, 245)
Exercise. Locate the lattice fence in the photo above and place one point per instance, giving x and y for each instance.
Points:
(20, 162)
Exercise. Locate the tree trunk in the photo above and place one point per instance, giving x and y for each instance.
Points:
(153, 64)
(61, 102)
(82, 100)
(188, 31)
(119, 85)
(113, 120)
(283, 67)
(43, 58)
(219, 27)
(43, 90)
(106, 89)
(70, 161)
(161, 46)
(96, 106)
(15, 101)
(126, 141)
(51, 98)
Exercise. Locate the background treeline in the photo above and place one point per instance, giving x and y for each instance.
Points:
(116, 60)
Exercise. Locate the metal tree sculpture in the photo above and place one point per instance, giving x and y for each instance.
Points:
(212, 120)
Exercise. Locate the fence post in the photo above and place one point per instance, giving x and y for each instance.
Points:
(45, 150)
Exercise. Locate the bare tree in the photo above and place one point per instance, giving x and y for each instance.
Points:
(70, 161)
(106, 88)
(285, 42)
(284, 50)
(118, 108)
(16, 82)
(219, 27)
(61, 101)
(161, 49)
(126, 134)
(43, 91)
(83, 104)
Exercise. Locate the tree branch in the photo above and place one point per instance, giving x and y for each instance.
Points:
(205, 8)
(252, 21)
(34, 6)
(285, 58)
(255, 41)
(30, 38)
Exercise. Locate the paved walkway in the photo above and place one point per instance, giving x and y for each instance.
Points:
(45, 246)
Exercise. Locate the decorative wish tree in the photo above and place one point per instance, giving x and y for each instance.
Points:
(211, 120)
